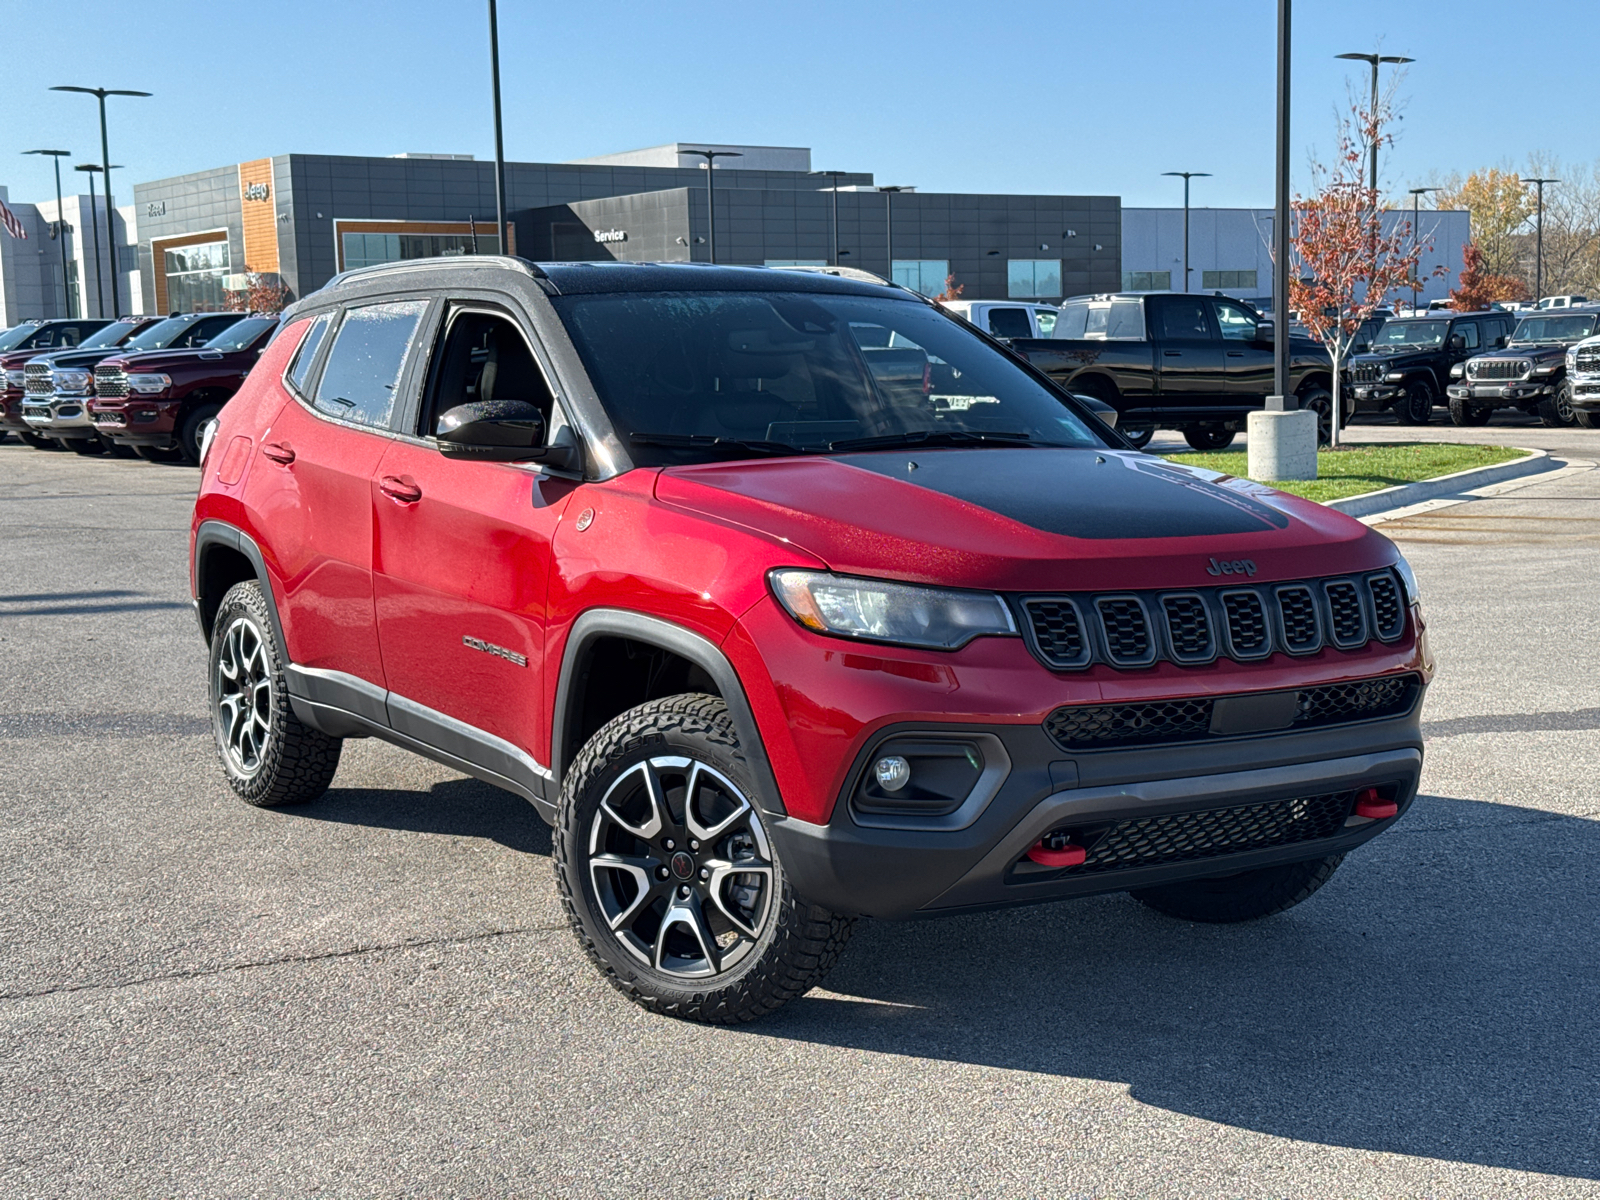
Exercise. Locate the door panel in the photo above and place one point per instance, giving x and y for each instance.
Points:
(1188, 354)
(461, 571)
(1247, 363)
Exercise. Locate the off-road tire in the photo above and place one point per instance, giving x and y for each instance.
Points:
(1588, 420)
(297, 762)
(1320, 401)
(1139, 435)
(1416, 406)
(189, 433)
(1208, 438)
(1462, 412)
(1248, 896)
(800, 942)
(1556, 412)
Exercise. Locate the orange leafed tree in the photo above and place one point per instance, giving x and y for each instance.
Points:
(1479, 289)
(952, 290)
(261, 294)
(1344, 265)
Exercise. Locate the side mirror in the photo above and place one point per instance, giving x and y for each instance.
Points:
(505, 431)
(1458, 341)
(1500, 342)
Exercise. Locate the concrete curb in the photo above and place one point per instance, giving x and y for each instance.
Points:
(1406, 494)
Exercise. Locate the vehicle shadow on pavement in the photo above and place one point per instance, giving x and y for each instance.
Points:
(454, 807)
(1439, 997)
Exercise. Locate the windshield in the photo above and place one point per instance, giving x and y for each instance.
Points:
(12, 338)
(693, 377)
(1573, 327)
(241, 333)
(111, 335)
(1411, 333)
(160, 335)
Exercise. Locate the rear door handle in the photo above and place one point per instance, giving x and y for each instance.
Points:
(1235, 353)
(1173, 353)
(278, 452)
(400, 488)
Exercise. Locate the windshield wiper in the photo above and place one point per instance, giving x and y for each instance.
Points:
(706, 441)
(937, 437)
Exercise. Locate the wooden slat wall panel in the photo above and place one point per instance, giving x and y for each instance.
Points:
(260, 219)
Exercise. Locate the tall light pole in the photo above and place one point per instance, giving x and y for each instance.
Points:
(1416, 195)
(94, 224)
(1374, 60)
(1281, 397)
(834, 176)
(1186, 176)
(499, 140)
(888, 223)
(711, 157)
(61, 226)
(105, 165)
(1538, 261)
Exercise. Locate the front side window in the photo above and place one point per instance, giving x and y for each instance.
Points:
(195, 277)
(694, 377)
(1469, 331)
(924, 275)
(1236, 324)
(363, 370)
(1033, 278)
(1184, 319)
(300, 372)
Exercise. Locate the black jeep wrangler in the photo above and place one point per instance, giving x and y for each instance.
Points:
(1530, 373)
(1409, 364)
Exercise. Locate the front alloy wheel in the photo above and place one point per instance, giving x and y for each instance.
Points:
(243, 688)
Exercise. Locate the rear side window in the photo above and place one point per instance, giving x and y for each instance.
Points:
(362, 375)
(1010, 323)
(300, 373)
(1047, 321)
(1074, 318)
(1184, 320)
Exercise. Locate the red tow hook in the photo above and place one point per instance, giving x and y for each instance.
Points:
(1054, 850)
(1370, 804)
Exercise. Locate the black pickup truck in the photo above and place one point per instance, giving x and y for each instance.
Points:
(1197, 364)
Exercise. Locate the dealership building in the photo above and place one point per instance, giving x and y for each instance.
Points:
(189, 241)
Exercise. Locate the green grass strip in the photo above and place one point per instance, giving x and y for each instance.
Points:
(1352, 470)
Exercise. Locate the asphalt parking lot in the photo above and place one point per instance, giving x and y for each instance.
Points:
(376, 994)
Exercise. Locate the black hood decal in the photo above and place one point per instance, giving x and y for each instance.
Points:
(1080, 493)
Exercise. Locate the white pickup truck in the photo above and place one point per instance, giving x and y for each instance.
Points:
(1583, 373)
(1006, 318)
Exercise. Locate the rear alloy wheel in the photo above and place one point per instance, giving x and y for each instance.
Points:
(1587, 419)
(670, 879)
(1556, 412)
(269, 757)
(1464, 413)
(193, 427)
(1208, 437)
(1139, 435)
(1246, 896)
(1416, 406)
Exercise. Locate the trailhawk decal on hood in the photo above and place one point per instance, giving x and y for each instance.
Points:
(1080, 493)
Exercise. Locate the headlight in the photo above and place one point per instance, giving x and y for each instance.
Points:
(70, 381)
(14, 379)
(880, 611)
(1458, 370)
(1396, 377)
(1572, 360)
(1408, 578)
(149, 384)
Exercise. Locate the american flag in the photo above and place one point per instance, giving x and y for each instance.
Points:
(9, 220)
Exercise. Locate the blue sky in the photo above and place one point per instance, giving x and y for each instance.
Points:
(1062, 97)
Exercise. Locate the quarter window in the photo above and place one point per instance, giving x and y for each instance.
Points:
(1033, 278)
(363, 372)
(195, 277)
(300, 373)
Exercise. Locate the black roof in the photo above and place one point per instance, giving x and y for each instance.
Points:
(591, 278)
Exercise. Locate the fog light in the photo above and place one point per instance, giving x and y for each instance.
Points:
(893, 772)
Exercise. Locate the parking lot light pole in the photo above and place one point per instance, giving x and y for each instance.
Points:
(94, 229)
(1186, 176)
(1538, 260)
(711, 157)
(499, 139)
(1374, 60)
(888, 223)
(1416, 194)
(105, 166)
(61, 226)
(834, 177)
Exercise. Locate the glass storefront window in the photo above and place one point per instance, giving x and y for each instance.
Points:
(925, 275)
(194, 277)
(374, 249)
(1228, 281)
(1147, 281)
(1033, 278)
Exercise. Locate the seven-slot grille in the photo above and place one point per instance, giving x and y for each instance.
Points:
(110, 383)
(36, 380)
(1367, 372)
(1588, 358)
(1080, 727)
(1498, 368)
(1182, 837)
(1068, 633)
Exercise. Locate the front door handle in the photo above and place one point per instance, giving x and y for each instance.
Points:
(401, 488)
(278, 452)
(1235, 353)
(1173, 353)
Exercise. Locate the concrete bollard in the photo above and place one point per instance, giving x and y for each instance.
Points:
(1282, 445)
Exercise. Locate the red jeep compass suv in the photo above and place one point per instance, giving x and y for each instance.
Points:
(785, 598)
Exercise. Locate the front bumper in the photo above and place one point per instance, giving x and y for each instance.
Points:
(1586, 394)
(899, 873)
(136, 422)
(58, 416)
(1514, 392)
(1374, 397)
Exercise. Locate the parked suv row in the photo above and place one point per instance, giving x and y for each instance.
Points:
(1411, 359)
(785, 598)
(1529, 373)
